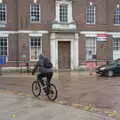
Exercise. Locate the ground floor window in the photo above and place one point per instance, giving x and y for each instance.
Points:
(35, 47)
(116, 44)
(3, 46)
(3, 50)
(90, 45)
(116, 48)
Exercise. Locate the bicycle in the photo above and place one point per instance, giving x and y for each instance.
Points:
(50, 91)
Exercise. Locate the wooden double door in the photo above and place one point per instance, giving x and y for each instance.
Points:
(64, 55)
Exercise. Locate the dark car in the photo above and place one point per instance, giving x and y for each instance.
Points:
(112, 68)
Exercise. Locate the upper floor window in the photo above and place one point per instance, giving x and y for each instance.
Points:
(3, 18)
(64, 11)
(91, 14)
(117, 15)
(34, 12)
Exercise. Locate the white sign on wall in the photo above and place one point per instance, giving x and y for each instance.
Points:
(1, 1)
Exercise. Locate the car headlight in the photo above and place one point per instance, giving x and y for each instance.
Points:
(103, 68)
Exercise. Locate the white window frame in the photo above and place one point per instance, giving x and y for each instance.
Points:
(4, 21)
(69, 3)
(33, 21)
(91, 18)
(90, 45)
(37, 48)
(117, 16)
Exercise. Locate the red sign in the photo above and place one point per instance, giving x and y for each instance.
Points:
(102, 37)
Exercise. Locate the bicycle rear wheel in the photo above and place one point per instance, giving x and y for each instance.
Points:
(52, 94)
(36, 88)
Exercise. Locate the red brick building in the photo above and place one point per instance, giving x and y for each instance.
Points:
(65, 30)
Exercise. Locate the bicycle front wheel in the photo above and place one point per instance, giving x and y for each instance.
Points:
(36, 88)
(52, 94)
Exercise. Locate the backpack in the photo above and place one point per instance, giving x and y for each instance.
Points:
(47, 63)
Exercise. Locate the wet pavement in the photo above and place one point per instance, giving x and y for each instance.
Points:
(77, 89)
(20, 107)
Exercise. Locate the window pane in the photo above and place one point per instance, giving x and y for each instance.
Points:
(3, 46)
(116, 44)
(35, 13)
(90, 48)
(63, 13)
(35, 47)
(91, 15)
(2, 13)
(117, 16)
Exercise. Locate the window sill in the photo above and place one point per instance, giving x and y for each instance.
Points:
(116, 24)
(59, 25)
(33, 60)
(90, 60)
(35, 22)
(3, 25)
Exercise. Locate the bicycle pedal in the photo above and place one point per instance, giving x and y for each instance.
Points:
(47, 92)
(44, 88)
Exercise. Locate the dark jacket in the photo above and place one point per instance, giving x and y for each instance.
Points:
(40, 66)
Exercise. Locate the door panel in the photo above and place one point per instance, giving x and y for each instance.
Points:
(64, 54)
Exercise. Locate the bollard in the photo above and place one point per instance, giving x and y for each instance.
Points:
(27, 68)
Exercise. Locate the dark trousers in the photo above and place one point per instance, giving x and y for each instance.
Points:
(48, 75)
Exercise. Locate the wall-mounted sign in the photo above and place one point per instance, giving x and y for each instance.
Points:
(102, 37)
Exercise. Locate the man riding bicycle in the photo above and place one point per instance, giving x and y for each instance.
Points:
(44, 66)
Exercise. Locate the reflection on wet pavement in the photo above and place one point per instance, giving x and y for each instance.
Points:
(79, 88)
(74, 88)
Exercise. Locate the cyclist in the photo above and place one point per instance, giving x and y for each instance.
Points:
(44, 67)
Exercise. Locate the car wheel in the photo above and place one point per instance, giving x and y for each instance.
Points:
(110, 73)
